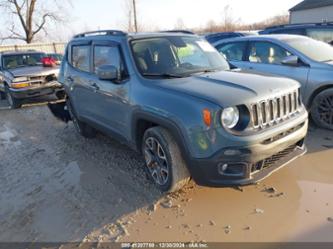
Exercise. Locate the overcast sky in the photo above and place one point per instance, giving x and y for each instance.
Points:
(165, 13)
(161, 14)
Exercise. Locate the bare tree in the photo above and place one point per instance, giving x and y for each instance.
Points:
(180, 24)
(273, 21)
(135, 17)
(31, 16)
(229, 22)
(132, 17)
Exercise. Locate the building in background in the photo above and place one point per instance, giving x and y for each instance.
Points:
(312, 11)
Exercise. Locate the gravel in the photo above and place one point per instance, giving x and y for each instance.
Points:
(51, 175)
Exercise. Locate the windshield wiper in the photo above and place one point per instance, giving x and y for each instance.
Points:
(163, 75)
(206, 71)
(328, 60)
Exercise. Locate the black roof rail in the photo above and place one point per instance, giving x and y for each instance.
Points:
(324, 23)
(299, 24)
(101, 32)
(178, 31)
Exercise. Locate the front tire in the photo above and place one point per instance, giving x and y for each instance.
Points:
(164, 162)
(82, 128)
(322, 109)
(12, 101)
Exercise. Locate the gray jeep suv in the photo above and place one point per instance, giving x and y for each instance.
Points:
(173, 97)
(23, 76)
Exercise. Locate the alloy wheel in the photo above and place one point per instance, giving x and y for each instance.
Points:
(156, 161)
(325, 110)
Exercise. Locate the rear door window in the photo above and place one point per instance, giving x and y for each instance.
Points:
(81, 57)
(233, 51)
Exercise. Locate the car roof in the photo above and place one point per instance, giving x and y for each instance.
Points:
(279, 37)
(157, 34)
(118, 35)
(12, 52)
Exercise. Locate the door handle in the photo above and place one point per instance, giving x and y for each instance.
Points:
(94, 85)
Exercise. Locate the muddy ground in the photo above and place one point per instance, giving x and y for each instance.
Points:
(56, 186)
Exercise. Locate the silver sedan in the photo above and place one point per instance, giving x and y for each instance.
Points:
(306, 60)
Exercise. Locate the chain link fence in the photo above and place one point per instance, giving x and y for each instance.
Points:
(43, 47)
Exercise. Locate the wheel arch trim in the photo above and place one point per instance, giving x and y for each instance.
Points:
(164, 122)
(317, 91)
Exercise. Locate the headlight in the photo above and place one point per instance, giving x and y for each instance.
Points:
(230, 117)
(20, 79)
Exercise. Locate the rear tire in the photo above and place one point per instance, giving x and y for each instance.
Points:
(164, 162)
(82, 128)
(322, 109)
(12, 101)
(2, 96)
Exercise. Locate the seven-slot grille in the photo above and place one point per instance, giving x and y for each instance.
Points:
(271, 111)
(37, 80)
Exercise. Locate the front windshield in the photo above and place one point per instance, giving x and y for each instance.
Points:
(315, 50)
(22, 60)
(176, 56)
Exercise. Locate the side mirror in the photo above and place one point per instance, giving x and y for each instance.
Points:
(107, 72)
(291, 61)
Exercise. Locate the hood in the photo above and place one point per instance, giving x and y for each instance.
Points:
(230, 88)
(34, 71)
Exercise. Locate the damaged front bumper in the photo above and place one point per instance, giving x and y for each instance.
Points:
(42, 90)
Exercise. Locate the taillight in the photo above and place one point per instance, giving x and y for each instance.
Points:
(48, 62)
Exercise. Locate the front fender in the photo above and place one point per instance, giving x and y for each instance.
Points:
(181, 113)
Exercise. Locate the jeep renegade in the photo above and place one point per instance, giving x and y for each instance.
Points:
(173, 97)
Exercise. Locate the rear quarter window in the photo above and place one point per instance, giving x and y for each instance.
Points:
(80, 57)
(323, 34)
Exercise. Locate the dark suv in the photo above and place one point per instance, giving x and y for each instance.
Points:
(23, 76)
(214, 37)
(318, 31)
(173, 97)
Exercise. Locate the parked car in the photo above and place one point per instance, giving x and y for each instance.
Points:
(213, 37)
(172, 97)
(23, 76)
(56, 57)
(318, 31)
(306, 60)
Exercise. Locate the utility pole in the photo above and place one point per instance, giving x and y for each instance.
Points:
(135, 16)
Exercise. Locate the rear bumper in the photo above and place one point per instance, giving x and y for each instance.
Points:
(32, 92)
(249, 164)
